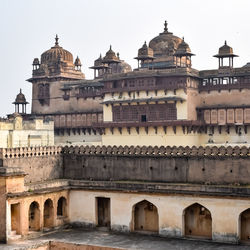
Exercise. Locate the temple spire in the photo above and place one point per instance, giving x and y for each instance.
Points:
(56, 43)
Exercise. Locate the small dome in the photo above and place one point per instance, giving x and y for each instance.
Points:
(20, 98)
(56, 53)
(78, 62)
(165, 44)
(35, 61)
(98, 61)
(110, 56)
(183, 49)
(124, 67)
(247, 65)
(225, 51)
(145, 51)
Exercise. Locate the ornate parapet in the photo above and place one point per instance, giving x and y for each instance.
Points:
(7, 153)
(208, 151)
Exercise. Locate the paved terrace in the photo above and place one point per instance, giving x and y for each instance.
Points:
(120, 241)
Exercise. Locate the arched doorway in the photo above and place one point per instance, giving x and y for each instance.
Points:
(48, 214)
(145, 217)
(245, 225)
(34, 216)
(198, 221)
(61, 207)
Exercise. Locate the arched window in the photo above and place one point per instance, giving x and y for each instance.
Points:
(62, 207)
(145, 217)
(198, 221)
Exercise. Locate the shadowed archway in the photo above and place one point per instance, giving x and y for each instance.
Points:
(198, 221)
(48, 214)
(245, 225)
(62, 207)
(145, 217)
(34, 216)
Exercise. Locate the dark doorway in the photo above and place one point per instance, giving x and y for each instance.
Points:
(103, 212)
(15, 218)
(143, 118)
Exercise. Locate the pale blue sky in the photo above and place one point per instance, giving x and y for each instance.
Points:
(87, 28)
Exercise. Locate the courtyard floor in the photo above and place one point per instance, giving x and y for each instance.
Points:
(123, 241)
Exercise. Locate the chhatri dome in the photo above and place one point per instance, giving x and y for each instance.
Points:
(165, 44)
(55, 53)
(57, 62)
(109, 64)
(164, 47)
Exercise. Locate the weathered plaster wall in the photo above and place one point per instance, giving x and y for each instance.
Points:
(38, 168)
(17, 132)
(224, 97)
(173, 139)
(76, 139)
(150, 138)
(220, 170)
(225, 214)
(66, 106)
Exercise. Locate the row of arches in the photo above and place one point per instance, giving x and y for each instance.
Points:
(48, 213)
(197, 220)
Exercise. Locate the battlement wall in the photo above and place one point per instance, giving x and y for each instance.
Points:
(210, 165)
(38, 163)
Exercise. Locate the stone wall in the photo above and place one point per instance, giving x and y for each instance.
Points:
(215, 165)
(39, 163)
(2, 210)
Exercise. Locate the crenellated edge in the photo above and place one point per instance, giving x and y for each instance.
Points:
(180, 151)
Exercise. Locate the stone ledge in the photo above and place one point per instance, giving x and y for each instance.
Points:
(143, 187)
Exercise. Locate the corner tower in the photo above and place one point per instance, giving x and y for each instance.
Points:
(56, 66)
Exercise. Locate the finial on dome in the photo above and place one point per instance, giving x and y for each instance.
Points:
(110, 48)
(225, 42)
(56, 43)
(166, 26)
(20, 91)
(118, 55)
(183, 39)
